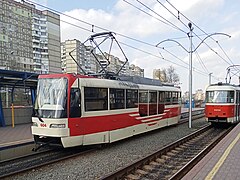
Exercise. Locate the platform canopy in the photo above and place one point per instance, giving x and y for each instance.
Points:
(18, 79)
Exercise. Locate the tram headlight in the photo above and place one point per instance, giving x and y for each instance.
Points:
(57, 125)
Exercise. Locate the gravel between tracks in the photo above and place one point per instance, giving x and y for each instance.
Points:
(114, 156)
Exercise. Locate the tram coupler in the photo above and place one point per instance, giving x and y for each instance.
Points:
(37, 147)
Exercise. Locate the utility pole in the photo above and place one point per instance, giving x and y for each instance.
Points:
(210, 74)
(190, 62)
(190, 75)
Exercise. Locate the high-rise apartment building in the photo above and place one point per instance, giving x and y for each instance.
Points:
(16, 50)
(81, 53)
(29, 38)
(136, 71)
(53, 43)
(117, 65)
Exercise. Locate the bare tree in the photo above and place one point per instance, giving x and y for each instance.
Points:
(172, 76)
(168, 75)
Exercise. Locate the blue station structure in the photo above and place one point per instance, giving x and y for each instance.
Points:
(16, 79)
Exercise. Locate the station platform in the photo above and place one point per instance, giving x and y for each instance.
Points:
(222, 162)
(19, 134)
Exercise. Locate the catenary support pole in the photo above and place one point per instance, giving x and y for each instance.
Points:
(190, 75)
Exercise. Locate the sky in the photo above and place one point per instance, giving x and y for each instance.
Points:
(139, 33)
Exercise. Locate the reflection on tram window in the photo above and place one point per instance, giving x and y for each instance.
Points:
(95, 99)
(117, 98)
(132, 98)
(220, 96)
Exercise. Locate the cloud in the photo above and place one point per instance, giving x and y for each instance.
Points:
(129, 21)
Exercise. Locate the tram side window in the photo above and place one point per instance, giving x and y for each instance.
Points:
(161, 100)
(168, 97)
(143, 103)
(117, 98)
(238, 97)
(152, 102)
(75, 110)
(143, 96)
(95, 99)
(132, 98)
(230, 97)
(174, 97)
(179, 97)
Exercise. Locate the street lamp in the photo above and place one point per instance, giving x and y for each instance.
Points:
(233, 70)
(190, 62)
(210, 75)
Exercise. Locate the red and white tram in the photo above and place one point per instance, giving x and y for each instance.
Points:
(222, 103)
(73, 110)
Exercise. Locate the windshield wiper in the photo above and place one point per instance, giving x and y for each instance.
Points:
(36, 113)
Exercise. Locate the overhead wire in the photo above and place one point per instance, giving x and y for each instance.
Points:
(92, 25)
(178, 17)
(201, 62)
(204, 33)
(172, 13)
(197, 55)
(146, 52)
(168, 24)
(199, 59)
(173, 25)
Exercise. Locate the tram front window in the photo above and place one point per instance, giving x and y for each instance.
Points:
(51, 101)
(220, 97)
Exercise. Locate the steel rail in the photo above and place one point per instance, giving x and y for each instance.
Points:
(125, 171)
(184, 170)
(32, 159)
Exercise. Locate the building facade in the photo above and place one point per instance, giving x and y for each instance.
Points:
(136, 71)
(29, 38)
(16, 51)
(159, 74)
(81, 54)
(92, 63)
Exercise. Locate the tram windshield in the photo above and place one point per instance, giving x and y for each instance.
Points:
(220, 97)
(51, 101)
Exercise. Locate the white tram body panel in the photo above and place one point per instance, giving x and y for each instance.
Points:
(87, 111)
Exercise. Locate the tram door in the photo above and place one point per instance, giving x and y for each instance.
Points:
(237, 105)
(75, 102)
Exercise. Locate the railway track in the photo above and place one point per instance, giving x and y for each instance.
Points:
(28, 162)
(36, 160)
(174, 160)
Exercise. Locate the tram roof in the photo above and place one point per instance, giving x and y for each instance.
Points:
(223, 86)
